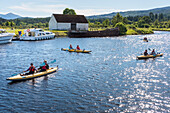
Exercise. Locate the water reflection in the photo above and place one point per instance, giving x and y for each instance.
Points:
(110, 79)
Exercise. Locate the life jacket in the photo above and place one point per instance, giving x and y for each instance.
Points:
(32, 69)
(78, 48)
(44, 67)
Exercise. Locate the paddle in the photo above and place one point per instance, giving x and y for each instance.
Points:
(37, 66)
(48, 63)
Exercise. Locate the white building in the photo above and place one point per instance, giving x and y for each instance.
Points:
(68, 22)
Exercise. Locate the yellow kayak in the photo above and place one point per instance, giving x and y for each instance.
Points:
(75, 50)
(145, 40)
(31, 76)
(149, 56)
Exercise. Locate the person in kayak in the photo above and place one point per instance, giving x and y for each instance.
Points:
(31, 69)
(145, 53)
(70, 47)
(145, 38)
(153, 52)
(44, 67)
(78, 48)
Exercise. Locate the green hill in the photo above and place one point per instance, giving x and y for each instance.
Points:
(164, 10)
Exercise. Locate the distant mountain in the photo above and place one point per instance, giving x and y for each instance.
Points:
(164, 10)
(9, 16)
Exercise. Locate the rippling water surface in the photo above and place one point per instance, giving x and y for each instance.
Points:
(110, 79)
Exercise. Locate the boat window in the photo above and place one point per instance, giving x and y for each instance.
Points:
(3, 31)
(47, 33)
(31, 34)
(43, 33)
(41, 30)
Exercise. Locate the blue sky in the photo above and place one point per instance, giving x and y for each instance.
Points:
(44, 8)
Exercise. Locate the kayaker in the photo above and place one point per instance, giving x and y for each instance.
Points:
(153, 52)
(145, 38)
(45, 67)
(31, 69)
(70, 47)
(78, 48)
(145, 53)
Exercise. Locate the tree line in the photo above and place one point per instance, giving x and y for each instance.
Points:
(22, 23)
(151, 21)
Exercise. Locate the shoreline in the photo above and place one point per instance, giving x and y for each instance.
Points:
(64, 33)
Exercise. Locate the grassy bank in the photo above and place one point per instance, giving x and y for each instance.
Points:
(59, 33)
(139, 31)
(62, 33)
(161, 29)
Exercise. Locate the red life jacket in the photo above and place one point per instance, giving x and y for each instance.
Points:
(44, 67)
(78, 48)
(32, 68)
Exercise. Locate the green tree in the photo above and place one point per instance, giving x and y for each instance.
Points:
(106, 23)
(116, 19)
(125, 20)
(146, 19)
(156, 16)
(7, 23)
(143, 21)
(46, 24)
(122, 28)
(151, 15)
(156, 23)
(68, 11)
(12, 24)
(161, 17)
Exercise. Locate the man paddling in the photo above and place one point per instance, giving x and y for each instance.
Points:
(31, 69)
(78, 48)
(44, 67)
(153, 52)
(70, 47)
(145, 53)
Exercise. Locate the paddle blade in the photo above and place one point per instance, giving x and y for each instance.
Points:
(53, 61)
(42, 64)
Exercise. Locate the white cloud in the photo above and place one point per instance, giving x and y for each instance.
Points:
(44, 10)
(39, 10)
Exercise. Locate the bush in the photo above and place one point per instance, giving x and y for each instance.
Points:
(122, 28)
(131, 32)
(131, 26)
(146, 25)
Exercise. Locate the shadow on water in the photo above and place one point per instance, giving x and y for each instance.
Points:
(45, 78)
(16, 82)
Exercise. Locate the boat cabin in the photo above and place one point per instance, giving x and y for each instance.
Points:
(3, 31)
(36, 32)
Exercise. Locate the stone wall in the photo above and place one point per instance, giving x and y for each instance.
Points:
(104, 33)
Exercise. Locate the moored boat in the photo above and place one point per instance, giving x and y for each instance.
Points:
(36, 34)
(21, 77)
(5, 37)
(75, 50)
(149, 56)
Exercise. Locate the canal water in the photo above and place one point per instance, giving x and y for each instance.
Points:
(110, 79)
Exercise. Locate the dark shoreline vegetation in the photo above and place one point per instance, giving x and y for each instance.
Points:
(131, 25)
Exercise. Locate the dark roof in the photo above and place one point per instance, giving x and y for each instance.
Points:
(70, 18)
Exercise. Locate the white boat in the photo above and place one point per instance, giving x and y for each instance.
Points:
(36, 34)
(5, 37)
